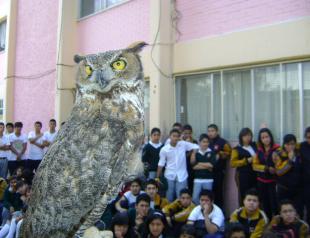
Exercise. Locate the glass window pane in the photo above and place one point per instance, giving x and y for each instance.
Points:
(217, 100)
(306, 92)
(237, 102)
(195, 102)
(113, 2)
(2, 35)
(291, 112)
(267, 96)
(89, 7)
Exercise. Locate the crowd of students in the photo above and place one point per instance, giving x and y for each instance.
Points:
(20, 156)
(183, 194)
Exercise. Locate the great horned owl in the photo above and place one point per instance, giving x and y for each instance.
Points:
(94, 151)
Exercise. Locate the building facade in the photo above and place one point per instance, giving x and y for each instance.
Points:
(238, 64)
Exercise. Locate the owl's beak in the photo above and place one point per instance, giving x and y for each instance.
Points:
(102, 80)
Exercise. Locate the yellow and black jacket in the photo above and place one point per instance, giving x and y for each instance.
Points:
(299, 229)
(288, 171)
(159, 202)
(261, 163)
(177, 211)
(239, 159)
(254, 224)
(3, 186)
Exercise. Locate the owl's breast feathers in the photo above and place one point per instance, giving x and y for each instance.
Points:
(100, 137)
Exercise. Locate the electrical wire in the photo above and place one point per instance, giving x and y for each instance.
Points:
(154, 44)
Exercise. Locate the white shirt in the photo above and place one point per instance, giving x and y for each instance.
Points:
(216, 216)
(49, 137)
(155, 145)
(35, 152)
(130, 197)
(249, 149)
(4, 140)
(18, 143)
(174, 160)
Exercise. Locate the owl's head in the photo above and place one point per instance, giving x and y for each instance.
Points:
(112, 69)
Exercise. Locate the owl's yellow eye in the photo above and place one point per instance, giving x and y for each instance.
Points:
(119, 64)
(88, 70)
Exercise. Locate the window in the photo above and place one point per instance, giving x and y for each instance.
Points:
(276, 96)
(2, 35)
(1, 109)
(88, 7)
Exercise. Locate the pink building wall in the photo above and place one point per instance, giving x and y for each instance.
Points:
(34, 99)
(115, 28)
(203, 18)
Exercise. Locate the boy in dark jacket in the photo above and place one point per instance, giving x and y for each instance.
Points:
(150, 153)
(305, 164)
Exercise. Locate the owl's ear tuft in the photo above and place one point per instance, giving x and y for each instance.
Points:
(137, 46)
(78, 58)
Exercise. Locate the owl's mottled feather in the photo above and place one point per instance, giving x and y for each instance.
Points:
(94, 151)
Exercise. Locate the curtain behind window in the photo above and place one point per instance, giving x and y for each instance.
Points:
(291, 112)
(306, 91)
(267, 96)
(237, 102)
(198, 102)
(2, 35)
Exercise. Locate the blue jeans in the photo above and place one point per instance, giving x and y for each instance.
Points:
(152, 174)
(200, 186)
(3, 167)
(215, 235)
(174, 188)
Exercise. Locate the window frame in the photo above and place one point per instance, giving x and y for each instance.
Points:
(103, 8)
(252, 67)
(3, 22)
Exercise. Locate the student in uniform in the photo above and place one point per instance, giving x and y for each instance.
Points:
(150, 153)
(287, 224)
(178, 211)
(266, 175)
(18, 146)
(207, 217)
(305, 164)
(242, 158)
(222, 149)
(253, 219)
(36, 147)
(173, 159)
(203, 163)
(288, 170)
(50, 135)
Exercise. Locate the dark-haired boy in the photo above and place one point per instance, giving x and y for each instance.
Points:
(50, 135)
(305, 164)
(222, 150)
(137, 215)
(287, 223)
(178, 211)
(36, 147)
(173, 159)
(151, 189)
(150, 153)
(18, 146)
(203, 162)
(9, 128)
(250, 216)
(207, 217)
